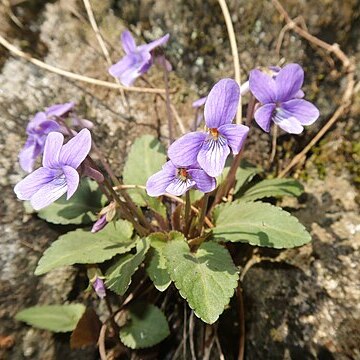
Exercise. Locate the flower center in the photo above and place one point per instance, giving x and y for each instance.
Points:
(183, 174)
(214, 133)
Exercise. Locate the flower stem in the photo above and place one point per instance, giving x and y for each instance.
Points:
(133, 208)
(203, 213)
(162, 62)
(187, 213)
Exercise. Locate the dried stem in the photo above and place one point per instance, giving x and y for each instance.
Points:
(167, 100)
(172, 107)
(349, 67)
(101, 342)
(101, 42)
(242, 322)
(234, 51)
(14, 50)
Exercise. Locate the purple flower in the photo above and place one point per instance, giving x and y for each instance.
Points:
(37, 130)
(281, 101)
(138, 59)
(210, 149)
(99, 287)
(177, 180)
(59, 110)
(58, 174)
(99, 224)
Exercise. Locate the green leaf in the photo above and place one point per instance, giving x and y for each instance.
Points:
(83, 247)
(273, 188)
(206, 279)
(146, 157)
(118, 276)
(57, 318)
(146, 327)
(156, 268)
(259, 224)
(79, 209)
(244, 174)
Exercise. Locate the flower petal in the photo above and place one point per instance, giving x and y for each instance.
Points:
(199, 102)
(222, 103)
(184, 151)
(74, 152)
(263, 116)
(290, 125)
(212, 156)
(179, 187)
(72, 180)
(28, 155)
(59, 109)
(204, 182)
(154, 44)
(288, 82)
(302, 110)
(28, 186)
(128, 42)
(235, 135)
(130, 67)
(121, 66)
(157, 183)
(52, 149)
(49, 193)
(262, 86)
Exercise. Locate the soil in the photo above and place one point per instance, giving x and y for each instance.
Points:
(304, 303)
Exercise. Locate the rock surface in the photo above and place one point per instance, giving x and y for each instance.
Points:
(304, 306)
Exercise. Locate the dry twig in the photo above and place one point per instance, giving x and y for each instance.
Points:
(234, 51)
(14, 50)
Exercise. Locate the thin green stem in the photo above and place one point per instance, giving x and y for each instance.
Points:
(187, 213)
(203, 213)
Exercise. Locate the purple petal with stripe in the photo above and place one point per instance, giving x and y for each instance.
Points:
(53, 144)
(204, 182)
(72, 180)
(222, 103)
(288, 82)
(179, 187)
(262, 86)
(212, 156)
(302, 110)
(235, 136)
(49, 193)
(263, 116)
(290, 125)
(157, 183)
(184, 151)
(74, 152)
(27, 187)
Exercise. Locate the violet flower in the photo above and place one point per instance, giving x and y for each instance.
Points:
(58, 174)
(138, 59)
(37, 130)
(210, 149)
(177, 180)
(280, 98)
(99, 224)
(99, 287)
